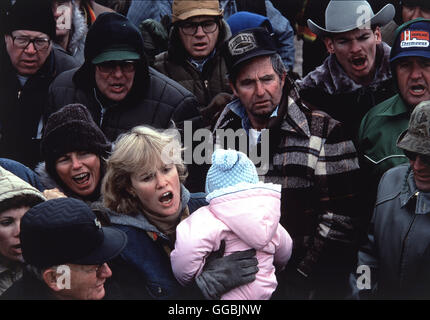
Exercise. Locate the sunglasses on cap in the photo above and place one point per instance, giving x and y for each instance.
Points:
(413, 156)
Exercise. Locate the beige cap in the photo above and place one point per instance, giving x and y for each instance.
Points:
(184, 9)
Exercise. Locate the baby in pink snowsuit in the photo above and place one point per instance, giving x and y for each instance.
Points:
(245, 213)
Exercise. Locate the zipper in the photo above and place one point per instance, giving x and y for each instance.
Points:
(102, 109)
(405, 240)
(19, 94)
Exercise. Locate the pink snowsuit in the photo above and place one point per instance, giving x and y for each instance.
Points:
(247, 218)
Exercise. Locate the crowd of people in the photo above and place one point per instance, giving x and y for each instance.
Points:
(313, 185)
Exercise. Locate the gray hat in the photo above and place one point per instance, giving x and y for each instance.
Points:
(346, 15)
(417, 137)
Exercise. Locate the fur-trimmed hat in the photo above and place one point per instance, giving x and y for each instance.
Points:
(71, 128)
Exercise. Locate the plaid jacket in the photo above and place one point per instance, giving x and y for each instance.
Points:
(318, 170)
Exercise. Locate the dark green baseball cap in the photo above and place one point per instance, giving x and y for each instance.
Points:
(117, 53)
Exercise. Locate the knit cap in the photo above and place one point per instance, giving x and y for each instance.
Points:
(246, 20)
(31, 15)
(229, 168)
(71, 128)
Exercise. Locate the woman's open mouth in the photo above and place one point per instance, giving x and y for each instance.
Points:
(81, 178)
(166, 198)
(17, 249)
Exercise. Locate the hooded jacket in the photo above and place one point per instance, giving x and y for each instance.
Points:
(206, 84)
(11, 186)
(143, 270)
(153, 100)
(245, 216)
(78, 34)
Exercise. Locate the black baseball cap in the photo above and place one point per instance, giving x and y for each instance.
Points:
(31, 15)
(248, 44)
(65, 230)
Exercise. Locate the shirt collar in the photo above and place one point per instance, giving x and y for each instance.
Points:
(397, 108)
(237, 108)
(199, 64)
(410, 192)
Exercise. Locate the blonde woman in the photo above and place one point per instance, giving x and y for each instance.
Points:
(143, 188)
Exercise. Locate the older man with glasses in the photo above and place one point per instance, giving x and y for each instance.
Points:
(116, 84)
(28, 64)
(394, 262)
(194, 57)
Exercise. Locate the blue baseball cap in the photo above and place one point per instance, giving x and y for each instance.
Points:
(412, 40)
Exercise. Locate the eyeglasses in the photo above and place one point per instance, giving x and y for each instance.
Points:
(110, 66)
(190, 28)
(38, 43)
(413, 156)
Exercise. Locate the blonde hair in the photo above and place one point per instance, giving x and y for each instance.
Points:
(140, 149)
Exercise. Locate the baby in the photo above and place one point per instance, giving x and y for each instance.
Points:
(245, 214)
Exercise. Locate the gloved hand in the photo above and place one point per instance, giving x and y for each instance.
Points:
(221, 274)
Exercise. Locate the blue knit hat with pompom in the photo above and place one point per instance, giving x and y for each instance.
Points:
(229, 168)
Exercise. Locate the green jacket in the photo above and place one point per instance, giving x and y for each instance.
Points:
(378, 133)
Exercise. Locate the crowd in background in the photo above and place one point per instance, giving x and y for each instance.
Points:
(322, 193)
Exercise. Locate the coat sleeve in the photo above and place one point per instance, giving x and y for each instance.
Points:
(285, 34)
(196, 237)
(333, 247)
(283, 248)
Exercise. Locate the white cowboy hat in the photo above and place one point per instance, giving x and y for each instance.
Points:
(346, 15)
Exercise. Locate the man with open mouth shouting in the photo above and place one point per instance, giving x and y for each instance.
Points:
(410, 63)
(356, 75)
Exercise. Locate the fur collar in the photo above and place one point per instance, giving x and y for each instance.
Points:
(79, 31)
(47, 181)
(332, 79)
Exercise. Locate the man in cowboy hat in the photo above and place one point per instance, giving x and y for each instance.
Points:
(356, 75)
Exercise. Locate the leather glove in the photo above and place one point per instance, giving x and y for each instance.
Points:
(221, 274)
